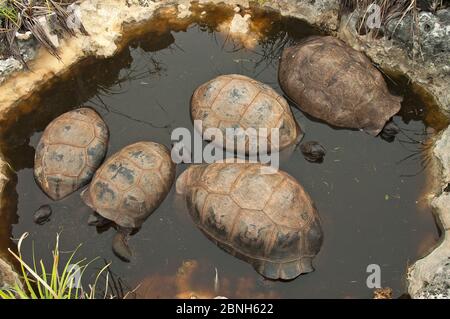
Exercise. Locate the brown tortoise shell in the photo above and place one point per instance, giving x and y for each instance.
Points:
(70, 150)
(237, 101)
(131, 184)
(266, 219)
(337, 84)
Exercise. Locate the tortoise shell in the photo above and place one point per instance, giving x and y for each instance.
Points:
(337, 84)
(131, 184)
(236, 101)
(266, 219)
(69, 152)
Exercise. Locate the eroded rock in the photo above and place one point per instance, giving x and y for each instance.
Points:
(8, 277)
(240, 24)
(27, 48)
(429, 277)
(433, 37)
(439, 286)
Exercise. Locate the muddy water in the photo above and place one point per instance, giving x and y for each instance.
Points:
(368, 191)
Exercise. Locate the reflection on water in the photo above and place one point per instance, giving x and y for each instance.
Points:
(367, 190)
(194, 279)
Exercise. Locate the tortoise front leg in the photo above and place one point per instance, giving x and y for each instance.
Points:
(120, 244)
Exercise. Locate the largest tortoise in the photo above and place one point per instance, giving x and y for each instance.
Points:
(262, 216)
(335, 83)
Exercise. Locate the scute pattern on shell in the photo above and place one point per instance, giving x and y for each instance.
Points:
(265, 219)
(69, 152)
(237, 101)
(131, 184)
(337, 84)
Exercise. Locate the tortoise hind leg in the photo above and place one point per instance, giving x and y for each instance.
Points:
(97, 220)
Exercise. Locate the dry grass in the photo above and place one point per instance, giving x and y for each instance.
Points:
(394, 6)
(389, 9)
(393, 9)
(23, 15)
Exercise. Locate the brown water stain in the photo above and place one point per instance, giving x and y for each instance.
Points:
(189, 283)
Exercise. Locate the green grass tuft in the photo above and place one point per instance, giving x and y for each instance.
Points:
(58, 282)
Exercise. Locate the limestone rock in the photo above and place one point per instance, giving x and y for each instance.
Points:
(429, 277)
(28, 49)
(8, 277)
(240, 24)
(434, 32)
(439, 286)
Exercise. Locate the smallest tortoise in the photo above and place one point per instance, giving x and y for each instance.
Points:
(238, 102)
(69, 152)
(128, 187)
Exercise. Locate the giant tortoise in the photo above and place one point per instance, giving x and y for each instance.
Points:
(69, 152)
(128, 187)
(337, 84)
(261, 216)
(238, 102)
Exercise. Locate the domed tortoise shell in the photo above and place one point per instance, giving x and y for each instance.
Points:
(70, 150)
(262, 217)
(131, 184)
(239, 102)
(337, 84)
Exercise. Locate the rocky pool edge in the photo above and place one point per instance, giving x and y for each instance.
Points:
(429, 277)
